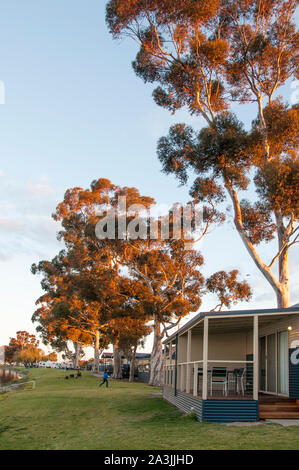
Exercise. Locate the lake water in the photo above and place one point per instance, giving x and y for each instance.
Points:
(7, 375)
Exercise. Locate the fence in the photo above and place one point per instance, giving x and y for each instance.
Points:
(143, 376)
(30, 385)
(224, 378)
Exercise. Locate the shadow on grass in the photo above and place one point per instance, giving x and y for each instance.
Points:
(148, 410)
(4, 429)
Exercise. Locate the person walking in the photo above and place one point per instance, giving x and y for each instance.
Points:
(105, 379)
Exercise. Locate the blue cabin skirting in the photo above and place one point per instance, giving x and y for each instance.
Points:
(213, 411)
(228, 411)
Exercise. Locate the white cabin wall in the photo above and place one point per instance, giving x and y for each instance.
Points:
(182, 348)
(196, 347)
(282, 325)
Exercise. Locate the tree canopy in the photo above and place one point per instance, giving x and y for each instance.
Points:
(206, 56)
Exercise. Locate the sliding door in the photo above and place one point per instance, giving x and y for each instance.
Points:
(283, 362)
(263, 364)
(274, 366)
(271, 363)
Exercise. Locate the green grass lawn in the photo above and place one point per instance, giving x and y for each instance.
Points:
(76, 414)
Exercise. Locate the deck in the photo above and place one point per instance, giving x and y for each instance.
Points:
(270, 406)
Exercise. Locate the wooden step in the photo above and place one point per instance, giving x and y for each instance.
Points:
(275, 401)
(280, 407)
(279, 414)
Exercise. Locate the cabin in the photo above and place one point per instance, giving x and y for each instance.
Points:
(140, 358)
(235, 366)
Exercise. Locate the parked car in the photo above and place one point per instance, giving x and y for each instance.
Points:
(126, 371)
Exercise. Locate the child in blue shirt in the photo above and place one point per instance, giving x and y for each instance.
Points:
(105, 379)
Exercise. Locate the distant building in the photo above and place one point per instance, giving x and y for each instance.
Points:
(107, 358)
(141, 358)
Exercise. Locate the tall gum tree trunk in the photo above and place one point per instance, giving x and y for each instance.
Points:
(96, 352)
(116, 363)
(132, 366)
(283, 296)
(76, 357)
(156, 372)
(281, 285)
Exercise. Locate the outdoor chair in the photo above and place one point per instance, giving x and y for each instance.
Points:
(219, 376)
(199, 375)
(232, 378)
(240, 380)
(236, 377)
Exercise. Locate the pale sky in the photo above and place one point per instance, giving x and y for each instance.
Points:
(75, 111)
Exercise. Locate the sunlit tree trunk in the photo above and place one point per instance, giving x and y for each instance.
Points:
(280, 285)
(132, 365)
(96, 352)
(116, 363)
(283, 294)
(156, 371)
(76, 356)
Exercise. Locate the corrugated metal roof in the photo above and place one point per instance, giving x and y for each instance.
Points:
(232, 313)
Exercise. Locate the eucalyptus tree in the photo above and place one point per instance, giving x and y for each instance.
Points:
(62, 315)
(149, 279)
(204, 56)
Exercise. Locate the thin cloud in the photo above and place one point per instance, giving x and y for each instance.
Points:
(10, 224)
(39, 190)
(26, 226)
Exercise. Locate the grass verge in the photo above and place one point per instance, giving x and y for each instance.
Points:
(77, 414)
